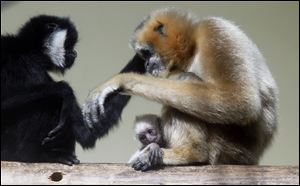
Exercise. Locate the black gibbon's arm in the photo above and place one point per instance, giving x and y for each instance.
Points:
(115, 102)
(136, 64)
(33, 94)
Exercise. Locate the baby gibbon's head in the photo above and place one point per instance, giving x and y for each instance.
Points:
(165, 40)
(148, 129)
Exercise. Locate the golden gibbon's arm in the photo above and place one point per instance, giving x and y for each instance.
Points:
(210, 102)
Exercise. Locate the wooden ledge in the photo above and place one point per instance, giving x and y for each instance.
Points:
(95, 173)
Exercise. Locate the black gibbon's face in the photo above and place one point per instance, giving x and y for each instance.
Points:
(53, 36)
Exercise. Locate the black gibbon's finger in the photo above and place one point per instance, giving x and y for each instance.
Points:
(53, 137)
(47, 140)
(60, 150)
(71, 157)
(68, 157)
(64, 160)
(74, 160)
(55, 132)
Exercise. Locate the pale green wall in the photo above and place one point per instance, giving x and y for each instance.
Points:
(105, 28)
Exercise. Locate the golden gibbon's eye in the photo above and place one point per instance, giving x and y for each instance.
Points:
(160, 29)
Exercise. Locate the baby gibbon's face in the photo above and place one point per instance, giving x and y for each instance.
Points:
(164, 40)
(147, 133)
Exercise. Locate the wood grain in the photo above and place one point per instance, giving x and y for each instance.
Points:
(94, 173)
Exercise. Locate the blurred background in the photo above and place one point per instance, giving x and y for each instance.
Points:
(104, 31)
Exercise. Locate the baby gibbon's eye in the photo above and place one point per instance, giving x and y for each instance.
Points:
(160, 29)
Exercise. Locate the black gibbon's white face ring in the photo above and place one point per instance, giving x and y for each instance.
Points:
(55, 47)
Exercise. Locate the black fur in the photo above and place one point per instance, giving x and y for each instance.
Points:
(40, 118)
(115, 102)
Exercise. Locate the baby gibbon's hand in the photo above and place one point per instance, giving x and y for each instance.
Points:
(149, 158)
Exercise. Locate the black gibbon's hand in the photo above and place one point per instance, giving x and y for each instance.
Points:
(103, 117)
(94, 105)
(54, 134)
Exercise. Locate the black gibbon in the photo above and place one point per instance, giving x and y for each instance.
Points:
(40, 118)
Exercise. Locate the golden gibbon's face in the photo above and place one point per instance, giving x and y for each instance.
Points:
(164, 41)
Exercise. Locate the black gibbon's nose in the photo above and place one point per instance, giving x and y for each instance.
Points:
(74, 53)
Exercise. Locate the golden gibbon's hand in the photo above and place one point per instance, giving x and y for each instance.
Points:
(94, 105)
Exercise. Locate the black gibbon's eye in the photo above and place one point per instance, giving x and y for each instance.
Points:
(51, 26)
(160, 29)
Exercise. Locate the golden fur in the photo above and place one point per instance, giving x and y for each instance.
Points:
(228, 115)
